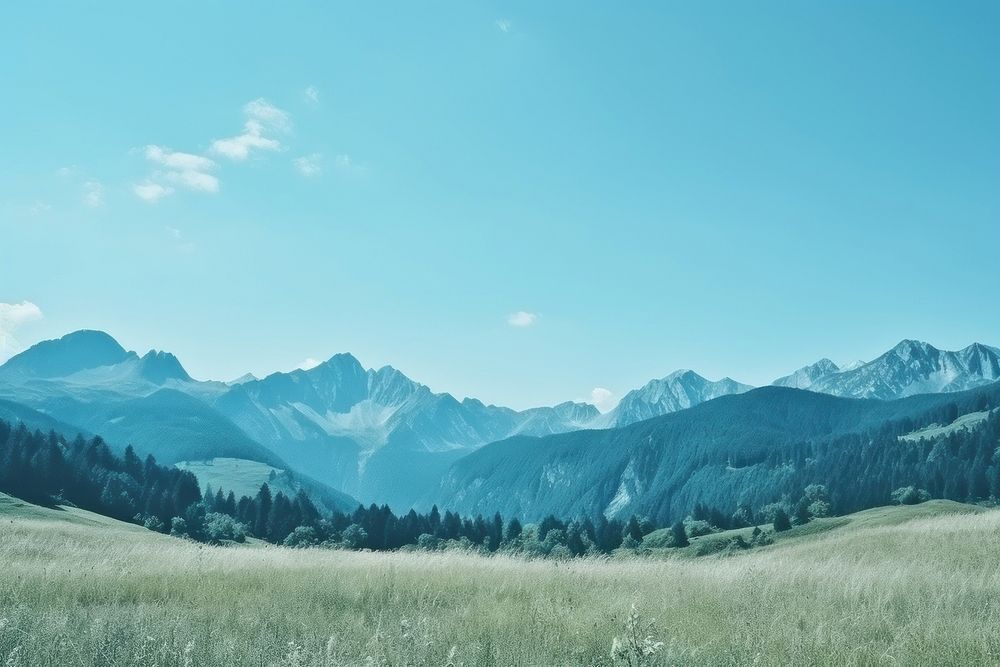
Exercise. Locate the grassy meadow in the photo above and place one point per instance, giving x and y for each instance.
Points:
(893, 586)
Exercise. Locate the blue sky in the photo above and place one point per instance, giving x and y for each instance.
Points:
(736, 188)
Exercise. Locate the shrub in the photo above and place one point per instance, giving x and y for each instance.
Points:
(223, 528)
(178, 527)
(781, 520)
(154, 523)
(819, 508)
(354, 536)
(910, 495)
(760, 538)
(301, 537)
(697, 527)
(427, 542)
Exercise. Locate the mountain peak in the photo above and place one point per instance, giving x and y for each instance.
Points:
(243, 379)
(806, 376)
(158, 367)
(64, 356)
(909, 346)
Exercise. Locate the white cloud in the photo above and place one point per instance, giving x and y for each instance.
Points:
(186, 170)
(309, 165)
(93, 194)
(504, 25)
(312, 94)
(308, 363)
(151, 192)
(267, 114)
(603, 399)
(12, 317)
(194, 180)
(66, 172)
(176, 160)
(263, 118)
(522, 318)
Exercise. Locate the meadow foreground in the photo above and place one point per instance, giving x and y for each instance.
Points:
(903, 586)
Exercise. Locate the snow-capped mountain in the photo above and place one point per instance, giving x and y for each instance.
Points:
(807, 375)
(680, 390)
(914, 367)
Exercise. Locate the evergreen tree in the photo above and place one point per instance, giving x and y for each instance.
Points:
(781, 521)
(679, 535)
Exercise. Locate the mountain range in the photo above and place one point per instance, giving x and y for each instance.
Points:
(377, 434)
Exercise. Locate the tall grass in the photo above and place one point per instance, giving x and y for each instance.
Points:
(923, 592)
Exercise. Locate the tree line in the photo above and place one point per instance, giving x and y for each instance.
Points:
(47, 469)
(860, 470)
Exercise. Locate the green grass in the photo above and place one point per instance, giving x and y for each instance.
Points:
(244, 478)
(879, 516)
(240, 476)
(893, 586)
(936, 431)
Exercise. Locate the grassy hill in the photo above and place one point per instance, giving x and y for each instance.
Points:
(244, 477)
(900, 585)
(877, 517)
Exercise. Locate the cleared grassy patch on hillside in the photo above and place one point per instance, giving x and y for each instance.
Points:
(879, 516)
(244, 478)
(240, 476)
(912, 585)
(934, 431)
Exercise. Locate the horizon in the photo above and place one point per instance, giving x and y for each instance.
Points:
(525, 205)
(604, 406)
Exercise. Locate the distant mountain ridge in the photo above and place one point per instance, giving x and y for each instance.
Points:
(377, 433)
(911, 367)
(914, 367)
(678, 391)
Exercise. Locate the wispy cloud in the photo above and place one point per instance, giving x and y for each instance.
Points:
(151, 192)
(522, 318)
(309, 165)
(12, 317)
(262, 119)
(504, 25)
(93, 194)
(176, 160)
(603, 399)
(311, 94)
(186, 170)
(39, 208)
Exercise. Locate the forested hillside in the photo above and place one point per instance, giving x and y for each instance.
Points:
(752, 449)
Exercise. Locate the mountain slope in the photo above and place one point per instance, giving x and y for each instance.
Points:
(747, 448)
(806, 376)
(376, 433)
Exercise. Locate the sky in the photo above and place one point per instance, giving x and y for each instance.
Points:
(523, 202)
